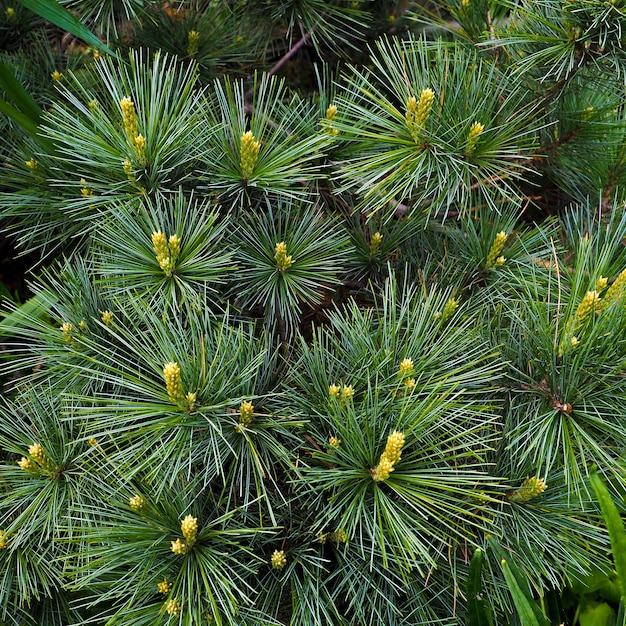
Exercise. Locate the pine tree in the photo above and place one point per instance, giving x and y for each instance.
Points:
(328, 322)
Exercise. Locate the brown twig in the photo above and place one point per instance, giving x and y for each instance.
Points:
(291, 52)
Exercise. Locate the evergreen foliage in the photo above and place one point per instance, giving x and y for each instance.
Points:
(328, 322)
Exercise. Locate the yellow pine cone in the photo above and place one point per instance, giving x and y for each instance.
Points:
(129, 117)
(164, 586)
(159, 243)
(173, 382)
(334, 442)
(28, 465)
(347, 392)
(249, 154)
(283, 261)
(375, 243)
(331, 114)
(139, 143)
(174, 245)
(3, 539)
(278, 559)
(448, 310)
(179, 547)
(406, 367)
(246, 409)
(614, 292)
(192, 42)
(137, 503)
(493, 256)
(107, 318)
(333, 390)
(39, 455)
(472, 137)
(67, 329)
(393, 449)
(587, 306)
(417, 113)
(173, 607)
(383, 470)
(530, 488)
(601, 283)
(189, 528)
(389, 458)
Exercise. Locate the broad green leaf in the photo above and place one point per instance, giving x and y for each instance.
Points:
(615, 526)
(19, 96)
(526, 608)
(52, 11)
(26, 112)
(597, 614)
(478, 609)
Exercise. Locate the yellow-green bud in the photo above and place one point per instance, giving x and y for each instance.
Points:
(249, 154)
(615, 291)
(39, 455)
(28, 465)
(164, 586)
(137, 503)
(383, 470)
(333, 391)
(67, 329)
(339, 536)
(601, 283)
(493, 256)
(530, 488)
(283, 261)
(173, 607)
(347, 392)
(331, 114)
(375, 243)
(173, 382)
(246, 409)
(32, 164)
(393, 449)
(139, 143)
(189, 528)
(57, 77)
(179, 547)
(190, 400)
(278, 559)
(448, 310)
(3, 539)
(166, 251)
(474, 134)
(129, 118)
(193, 38)
(417, 113)
(406, 367)
(334, 442)
(85, 191)
(107, 318)
(390, 457)
(587, 306)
